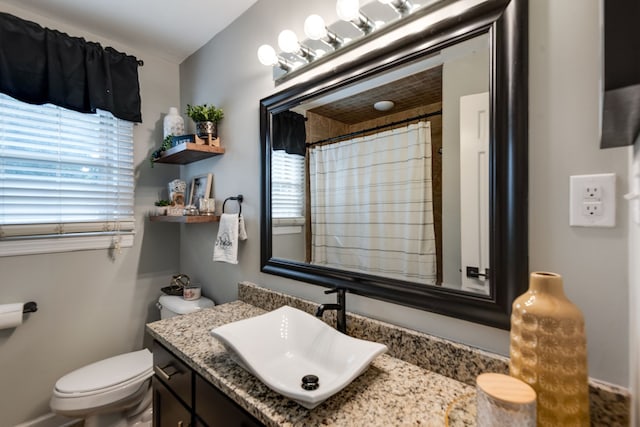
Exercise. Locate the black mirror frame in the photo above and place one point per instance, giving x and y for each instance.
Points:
(508, 23)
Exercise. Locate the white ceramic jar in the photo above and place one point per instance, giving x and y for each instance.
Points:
(173, 123)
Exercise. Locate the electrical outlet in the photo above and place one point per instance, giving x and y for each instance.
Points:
(592, 192)
(592, 209)
(592, 200)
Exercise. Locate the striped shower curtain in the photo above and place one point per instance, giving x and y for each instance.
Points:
(371, 204)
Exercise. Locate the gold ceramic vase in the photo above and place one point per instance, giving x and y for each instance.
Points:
(548, 351)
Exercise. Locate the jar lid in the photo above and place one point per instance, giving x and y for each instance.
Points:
(506, 388)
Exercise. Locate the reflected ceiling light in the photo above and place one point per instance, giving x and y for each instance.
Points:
(384, 105)
(314, 27)
(348, 10)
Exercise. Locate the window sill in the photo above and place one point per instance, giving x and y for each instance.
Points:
(56, 244)
(287, 225)
(284, 222)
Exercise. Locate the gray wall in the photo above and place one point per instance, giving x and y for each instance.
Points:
(90, 307)
(564, 96)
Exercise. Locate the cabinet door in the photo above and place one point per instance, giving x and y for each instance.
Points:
(168, 411)
(216, 410)
(173, 373)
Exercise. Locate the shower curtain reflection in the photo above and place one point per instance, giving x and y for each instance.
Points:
(372, 206)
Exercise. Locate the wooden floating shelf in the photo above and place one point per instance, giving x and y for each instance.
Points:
(185, 219)
(189, 152)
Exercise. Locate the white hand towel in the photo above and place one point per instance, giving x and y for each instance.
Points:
(242, 231)
(226, 248)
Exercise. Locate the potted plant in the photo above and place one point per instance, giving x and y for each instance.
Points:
(156, 154)
(161, 207)
(206, 119)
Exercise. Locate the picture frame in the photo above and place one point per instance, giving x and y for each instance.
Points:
(200, 188)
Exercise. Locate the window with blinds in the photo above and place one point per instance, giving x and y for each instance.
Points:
(66, 179)
(287, 185)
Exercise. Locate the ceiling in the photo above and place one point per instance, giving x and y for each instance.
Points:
(413, 91)
(172, 30)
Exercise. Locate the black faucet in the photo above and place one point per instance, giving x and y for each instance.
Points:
(341, 312)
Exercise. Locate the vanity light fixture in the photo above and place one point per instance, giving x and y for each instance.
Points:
(349, 10)
(403, 7)
(288, 42)
(267, 56)
(297, 55)
(316, 29)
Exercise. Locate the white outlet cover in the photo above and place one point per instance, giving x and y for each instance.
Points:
(582, 201)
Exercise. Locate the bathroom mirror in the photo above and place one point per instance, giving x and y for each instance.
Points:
(444, 230)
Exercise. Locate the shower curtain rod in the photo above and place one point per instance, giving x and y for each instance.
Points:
(360, 132)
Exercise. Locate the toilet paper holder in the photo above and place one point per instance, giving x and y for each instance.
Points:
(30, 307)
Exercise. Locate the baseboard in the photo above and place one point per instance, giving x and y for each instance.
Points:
(51, 420)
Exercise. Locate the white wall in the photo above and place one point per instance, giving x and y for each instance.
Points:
(457, 82)
(564, 77)
(90, 307)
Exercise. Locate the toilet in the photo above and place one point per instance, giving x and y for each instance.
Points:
(116, 392)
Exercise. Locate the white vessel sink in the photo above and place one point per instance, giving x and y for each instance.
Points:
(285, 345)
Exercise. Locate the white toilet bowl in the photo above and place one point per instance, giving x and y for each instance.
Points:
(107, 390)
(116, 392)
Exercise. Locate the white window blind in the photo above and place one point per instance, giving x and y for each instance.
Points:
(63, 173)
(287, 185)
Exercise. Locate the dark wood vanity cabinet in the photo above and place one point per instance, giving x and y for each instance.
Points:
(183, 398)
(215, 409)
(167, 409)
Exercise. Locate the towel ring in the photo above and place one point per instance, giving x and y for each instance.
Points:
(239, 198)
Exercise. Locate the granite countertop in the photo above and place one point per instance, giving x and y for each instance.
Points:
(392, 392)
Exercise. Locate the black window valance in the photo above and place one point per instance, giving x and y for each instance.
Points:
(289, 132)
(39, 65)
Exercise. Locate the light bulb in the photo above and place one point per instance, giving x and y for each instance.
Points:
(288, 41)
(267, 55)
(348, 10)
(314, 27)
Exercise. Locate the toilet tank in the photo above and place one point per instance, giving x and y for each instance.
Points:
(171, 305)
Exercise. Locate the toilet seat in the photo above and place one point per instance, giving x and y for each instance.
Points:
(103, 383)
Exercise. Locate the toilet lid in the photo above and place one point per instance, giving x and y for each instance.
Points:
(179, 305)
(106, 373)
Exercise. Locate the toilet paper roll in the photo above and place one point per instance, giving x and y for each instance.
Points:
(11, 315)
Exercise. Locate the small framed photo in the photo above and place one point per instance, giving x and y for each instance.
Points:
(200, 188)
